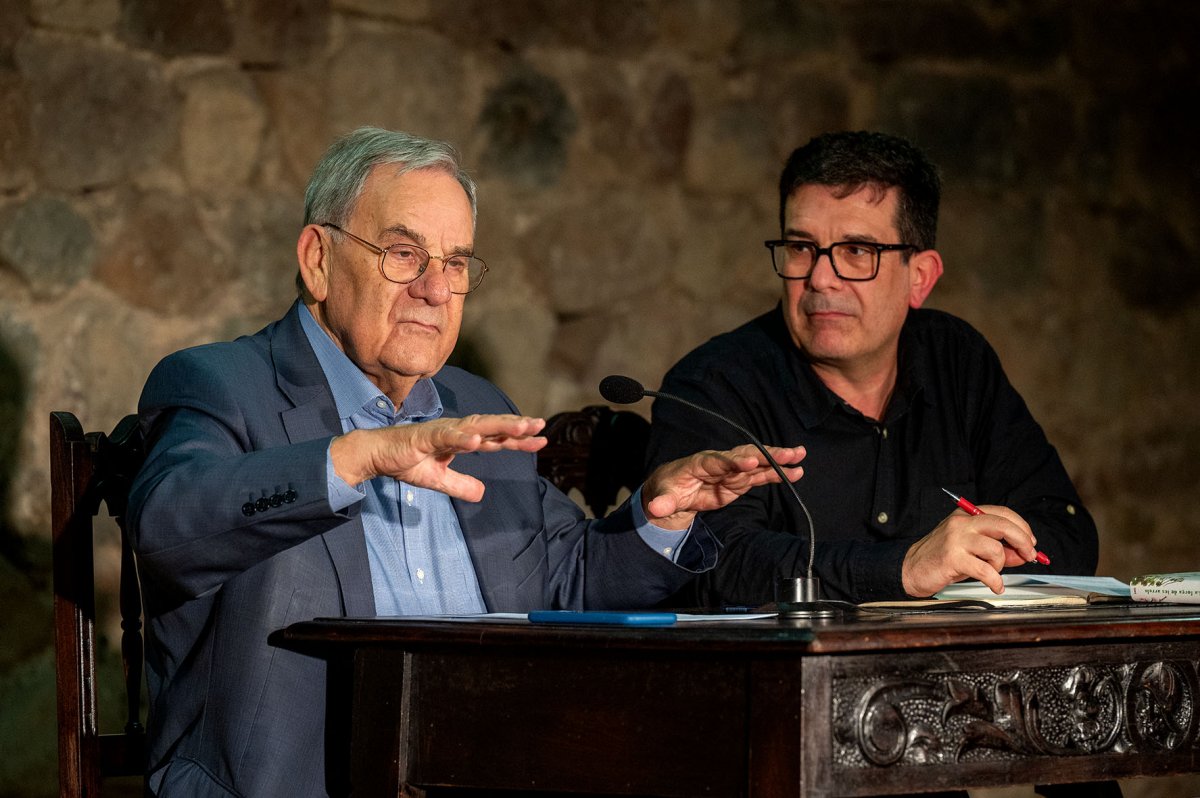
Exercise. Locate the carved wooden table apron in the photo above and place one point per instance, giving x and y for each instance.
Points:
(860, 706)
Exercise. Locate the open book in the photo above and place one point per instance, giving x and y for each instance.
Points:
(1046, 589)
(1022, 591)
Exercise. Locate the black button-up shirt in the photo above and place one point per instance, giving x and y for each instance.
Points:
(873, 487)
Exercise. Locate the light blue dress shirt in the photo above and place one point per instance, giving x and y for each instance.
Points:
(419, 560)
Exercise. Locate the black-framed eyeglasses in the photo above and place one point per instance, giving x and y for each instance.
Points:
(851, 260)
(405, 262)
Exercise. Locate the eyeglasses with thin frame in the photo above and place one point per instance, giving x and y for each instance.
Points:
(404, 262)
(794, 259)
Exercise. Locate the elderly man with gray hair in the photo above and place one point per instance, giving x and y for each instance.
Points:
(332, 465)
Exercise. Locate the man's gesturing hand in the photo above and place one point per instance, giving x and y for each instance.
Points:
(968, 547)
(676, 491)
(420, 454)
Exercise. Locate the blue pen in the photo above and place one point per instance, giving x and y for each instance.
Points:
(605, 618)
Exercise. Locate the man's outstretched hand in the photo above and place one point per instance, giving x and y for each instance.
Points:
(676, 491)
(421, 454)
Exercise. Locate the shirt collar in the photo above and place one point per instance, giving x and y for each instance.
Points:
(354, 393)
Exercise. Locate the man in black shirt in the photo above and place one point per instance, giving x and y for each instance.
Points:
(893, 403)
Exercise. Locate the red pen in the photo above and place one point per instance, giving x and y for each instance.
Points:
(970, 509)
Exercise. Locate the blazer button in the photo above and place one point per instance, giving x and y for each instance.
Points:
(290, 496)
(248, 509)
(276, 500)
(262, 505)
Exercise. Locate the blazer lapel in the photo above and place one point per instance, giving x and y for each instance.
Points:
(488, 529)
(313, 415)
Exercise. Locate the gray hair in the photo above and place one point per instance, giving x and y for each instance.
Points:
(337, 182)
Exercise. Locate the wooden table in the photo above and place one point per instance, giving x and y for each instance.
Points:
(857, 706)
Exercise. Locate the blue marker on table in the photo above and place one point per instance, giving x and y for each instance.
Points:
(607, 618)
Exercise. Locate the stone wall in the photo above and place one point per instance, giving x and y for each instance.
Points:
(153, 157)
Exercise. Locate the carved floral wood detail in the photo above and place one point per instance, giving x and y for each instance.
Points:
(932, 719)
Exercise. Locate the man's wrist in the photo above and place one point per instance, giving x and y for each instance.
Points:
(350, 460)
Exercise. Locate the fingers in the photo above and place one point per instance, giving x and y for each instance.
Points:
(968, 547)
(486, 433)
(749, 460)
(661, 506)
(420, 454)
(461, 486)
(709, 480)
(1001, 523)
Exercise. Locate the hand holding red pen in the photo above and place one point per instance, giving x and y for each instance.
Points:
(977, 546)
(966, 506)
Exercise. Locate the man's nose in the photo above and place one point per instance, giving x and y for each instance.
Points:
(432, 286)
(823, 276)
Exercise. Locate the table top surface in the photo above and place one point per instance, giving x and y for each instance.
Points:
(849, 633)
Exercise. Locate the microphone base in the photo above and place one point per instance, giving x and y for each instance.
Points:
(799, 598)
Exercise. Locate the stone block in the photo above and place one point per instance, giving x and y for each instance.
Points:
(81, 15)
(16, 143)
(964, 123)
(616, 27)
(298, 136)
(707, 29)
(198, 27)
(995, 242)
(99, 115)
(164, 261)
(262, 232)
(1132, 45)
(406, 11)
(774, 30)
(409, 80)
(46, 242)
(1028, 36)
(802, 104)
(1164, 163)
(1150, 266)
(14, 21)
(280, 31)
(511, 331)
(602, 137)
(592, 251)
(732, 148)
(221, 130)
(883, 33)
(666, 134)
(720, 258)
(1045, 136)
(527, 122)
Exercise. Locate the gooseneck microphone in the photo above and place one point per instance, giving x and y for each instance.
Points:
(804, 599)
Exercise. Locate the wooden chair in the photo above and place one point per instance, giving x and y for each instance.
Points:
(85, 470)
(597, 451)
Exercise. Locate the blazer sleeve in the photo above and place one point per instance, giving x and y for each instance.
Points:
(222, 489)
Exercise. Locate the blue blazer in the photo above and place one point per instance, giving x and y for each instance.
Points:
(249, 422)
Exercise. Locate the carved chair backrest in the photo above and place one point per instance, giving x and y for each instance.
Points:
(85, 470)
(597, 451)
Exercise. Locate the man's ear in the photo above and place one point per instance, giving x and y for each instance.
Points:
(924, 269)
(313, 255)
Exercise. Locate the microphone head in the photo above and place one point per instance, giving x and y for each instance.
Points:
(621, 390)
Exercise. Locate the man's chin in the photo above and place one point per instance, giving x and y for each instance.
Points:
(825, 348)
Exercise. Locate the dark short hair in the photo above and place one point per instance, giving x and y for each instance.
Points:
(852, 160)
